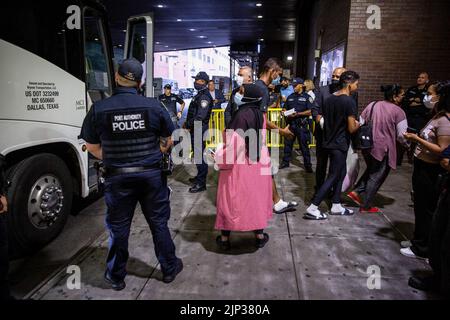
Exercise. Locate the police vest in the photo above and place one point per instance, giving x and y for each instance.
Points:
(201, 105)
(126, 136)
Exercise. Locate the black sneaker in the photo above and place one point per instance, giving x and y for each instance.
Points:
(223, 245)
(284, 166)
(260, 243)
(116, 285)
(168, 278)
(197, 188)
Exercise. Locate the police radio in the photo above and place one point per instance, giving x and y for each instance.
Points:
(167, 164)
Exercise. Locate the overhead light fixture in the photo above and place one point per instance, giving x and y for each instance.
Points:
(261, 40)
(202, 37)
(260, 17)
(157, 42)
(290, 58)
(192, 29)
(259, 4)
(166, 46)
(160, 6)
(209, 42)
(124, 30)
(179, 20)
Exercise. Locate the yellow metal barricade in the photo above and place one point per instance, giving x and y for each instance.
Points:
(216, 127)
(274, 140)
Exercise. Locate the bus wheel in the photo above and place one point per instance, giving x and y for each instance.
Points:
(40, 199)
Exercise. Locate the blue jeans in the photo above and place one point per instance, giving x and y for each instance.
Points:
(122, 193)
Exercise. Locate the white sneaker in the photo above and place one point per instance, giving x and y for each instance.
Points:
(407, 252)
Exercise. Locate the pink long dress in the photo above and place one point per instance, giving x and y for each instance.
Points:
(244, 194)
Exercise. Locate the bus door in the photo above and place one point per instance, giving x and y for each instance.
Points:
(98, 67)
(139, 45)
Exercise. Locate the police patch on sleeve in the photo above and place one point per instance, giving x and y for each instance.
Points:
(127, 122)
(204, 103)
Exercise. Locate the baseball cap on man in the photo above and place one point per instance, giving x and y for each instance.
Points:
(131, 69)
(202, 76)
(297, 81)
(252, 92)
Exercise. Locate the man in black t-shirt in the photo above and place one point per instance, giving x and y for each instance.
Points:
(339, 123)
(270, 75)
(336, 111)
(322, 96)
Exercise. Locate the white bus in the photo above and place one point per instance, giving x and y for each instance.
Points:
(55, 60)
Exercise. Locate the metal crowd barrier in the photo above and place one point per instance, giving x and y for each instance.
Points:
(216, 127)
(274, 140)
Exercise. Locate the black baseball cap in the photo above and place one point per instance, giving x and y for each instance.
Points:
(167, 86)
(297, 81)
(202, 76)
(252, 92)
(131, 69)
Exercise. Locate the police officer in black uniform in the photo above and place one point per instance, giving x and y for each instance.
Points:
(169, 101)
(417, 114)
(125, 131)
(197, 123)
(298, 124)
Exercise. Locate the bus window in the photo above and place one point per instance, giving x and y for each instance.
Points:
(39, 27)
(96, 60)
(139, 36)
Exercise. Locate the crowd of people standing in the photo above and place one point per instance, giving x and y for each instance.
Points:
(416, 120)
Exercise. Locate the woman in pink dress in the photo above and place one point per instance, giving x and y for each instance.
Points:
(244, 195)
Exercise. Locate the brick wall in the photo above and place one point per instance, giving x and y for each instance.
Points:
(414, 37)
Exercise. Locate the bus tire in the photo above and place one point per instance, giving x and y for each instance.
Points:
(40, 200)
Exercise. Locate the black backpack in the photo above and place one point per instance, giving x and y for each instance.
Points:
(364, 136)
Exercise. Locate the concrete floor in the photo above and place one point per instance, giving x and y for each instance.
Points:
(303, 260)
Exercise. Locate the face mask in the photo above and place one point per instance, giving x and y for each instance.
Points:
(238, 99)
(428, 103)
(276, 82)
(240, 80)
(199, 87)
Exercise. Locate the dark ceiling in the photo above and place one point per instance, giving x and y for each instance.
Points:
(204, 23)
